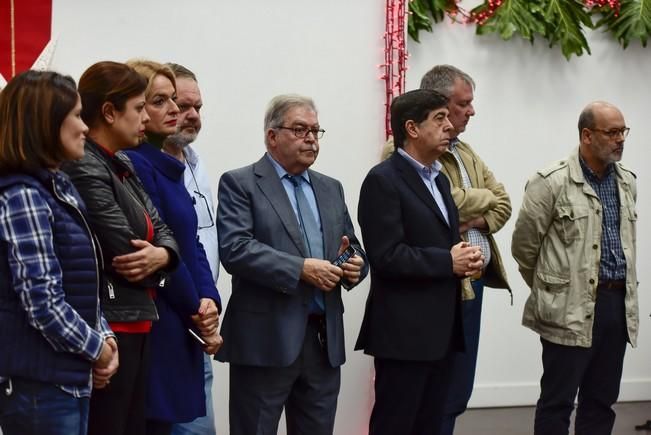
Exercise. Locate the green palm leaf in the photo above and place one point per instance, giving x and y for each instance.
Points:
(633, 22)
(560, 22)
(421, 10)
(565, 21)
(513, 16)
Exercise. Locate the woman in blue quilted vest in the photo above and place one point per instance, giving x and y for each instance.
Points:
(54, 342)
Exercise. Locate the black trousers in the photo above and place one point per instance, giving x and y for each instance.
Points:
(307, 389)
(594, 372)
(409, 396)
(156, 427)
(119, 408)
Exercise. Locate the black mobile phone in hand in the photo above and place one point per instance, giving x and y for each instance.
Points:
(349, 252)
(196, 337)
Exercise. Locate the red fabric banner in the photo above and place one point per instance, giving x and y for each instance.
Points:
(25, 30)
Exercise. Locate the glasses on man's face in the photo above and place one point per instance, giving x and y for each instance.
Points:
(302, 132)
(204, 225)
(614, 133)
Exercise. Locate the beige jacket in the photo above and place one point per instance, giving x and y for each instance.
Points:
(557, 244)
(486, 198)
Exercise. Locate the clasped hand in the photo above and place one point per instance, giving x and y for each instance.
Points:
(107, 363)
(324, 275)
(467, 260)
(207, 321)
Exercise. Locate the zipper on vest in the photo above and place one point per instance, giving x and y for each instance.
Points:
(111, 290)
(93, 244)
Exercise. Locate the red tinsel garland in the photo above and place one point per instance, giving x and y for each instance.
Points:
(612, 4)
(395, 55)
(492, 6)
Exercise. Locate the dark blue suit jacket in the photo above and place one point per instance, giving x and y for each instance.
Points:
(413, 304)
(260, 245)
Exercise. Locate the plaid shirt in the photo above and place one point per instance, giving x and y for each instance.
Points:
(612, 265)
(475, 237)
(37, 276)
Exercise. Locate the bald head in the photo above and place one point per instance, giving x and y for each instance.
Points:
(594, 113)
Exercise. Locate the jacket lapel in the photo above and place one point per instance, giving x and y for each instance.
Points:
(272, 188)
(443, 184)
(414, 181)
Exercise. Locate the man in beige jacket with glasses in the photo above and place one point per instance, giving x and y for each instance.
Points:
(574, 241)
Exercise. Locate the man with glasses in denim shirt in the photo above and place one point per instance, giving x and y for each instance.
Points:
(197, 183)
(574, 241)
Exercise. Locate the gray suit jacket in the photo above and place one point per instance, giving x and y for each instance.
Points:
(260, 245)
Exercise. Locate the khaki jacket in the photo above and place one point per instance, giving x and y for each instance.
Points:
(486, 198)
(557, 244)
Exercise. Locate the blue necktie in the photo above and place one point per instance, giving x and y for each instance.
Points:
(311, 233)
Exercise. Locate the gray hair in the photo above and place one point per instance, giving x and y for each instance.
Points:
(280, 105)
(181, 72)
(441, 79)
(587, 119)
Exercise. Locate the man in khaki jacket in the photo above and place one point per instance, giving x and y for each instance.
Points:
(484, 207)
(574, 241)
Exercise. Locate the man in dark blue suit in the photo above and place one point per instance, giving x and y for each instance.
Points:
(410, 225)
(280, 226)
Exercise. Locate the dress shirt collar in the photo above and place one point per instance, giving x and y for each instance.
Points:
(453, 144)
(420, 168)
(191, 156)
(282, 173)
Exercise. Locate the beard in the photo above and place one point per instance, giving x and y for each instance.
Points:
(182, 139)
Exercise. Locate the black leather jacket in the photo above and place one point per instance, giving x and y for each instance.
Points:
(117, 207)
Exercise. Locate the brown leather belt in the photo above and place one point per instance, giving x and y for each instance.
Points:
(619, 284)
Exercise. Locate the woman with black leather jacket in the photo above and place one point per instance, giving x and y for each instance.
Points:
(139, 249)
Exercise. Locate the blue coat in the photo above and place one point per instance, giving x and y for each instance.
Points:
(176, 382)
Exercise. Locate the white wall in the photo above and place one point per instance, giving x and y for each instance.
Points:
(528, 100)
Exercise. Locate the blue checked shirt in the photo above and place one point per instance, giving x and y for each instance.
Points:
(612, 265)
(37, 277)
(475, 237)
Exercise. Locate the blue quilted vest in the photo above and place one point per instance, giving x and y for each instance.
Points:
(24, 352)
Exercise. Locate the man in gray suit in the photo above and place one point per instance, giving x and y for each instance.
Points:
(280, 227)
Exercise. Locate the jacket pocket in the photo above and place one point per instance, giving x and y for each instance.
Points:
(573, 223)
(552, 299)
(553, 283)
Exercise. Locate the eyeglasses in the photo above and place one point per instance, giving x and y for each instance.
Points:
(205, 201)
(202, 196)
(302, 132)
(614, 133)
